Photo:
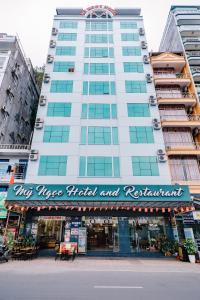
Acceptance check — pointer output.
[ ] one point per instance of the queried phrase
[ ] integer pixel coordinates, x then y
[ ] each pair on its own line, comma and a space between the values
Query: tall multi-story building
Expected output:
98, 172
182, 33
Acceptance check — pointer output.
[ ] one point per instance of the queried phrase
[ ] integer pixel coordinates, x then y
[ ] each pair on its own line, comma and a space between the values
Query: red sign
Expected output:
84, 11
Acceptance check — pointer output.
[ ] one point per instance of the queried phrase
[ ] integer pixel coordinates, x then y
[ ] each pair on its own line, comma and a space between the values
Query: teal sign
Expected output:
3, 210
73, 192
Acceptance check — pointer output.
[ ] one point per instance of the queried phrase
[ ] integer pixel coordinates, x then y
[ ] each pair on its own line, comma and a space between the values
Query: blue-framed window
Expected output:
99, 38
68, 24
99, 166
61, 86
138, 110
99, 68
141, 134
131, 51
56, 134
52, 165
59, 109
99, 88
99, 111
66, 50
128, 25
135, 86
134, 67
63, 66
98, 26
145, 166
100, 52
67, 36
98, 135
129, 36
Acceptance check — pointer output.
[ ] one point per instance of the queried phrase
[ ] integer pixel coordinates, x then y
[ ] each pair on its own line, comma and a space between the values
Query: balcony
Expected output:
170, 78
190, 30
193, 57
191, 43
188, 18
180, 121
14, 149
19, 176
182, 148
196, 73
175, 97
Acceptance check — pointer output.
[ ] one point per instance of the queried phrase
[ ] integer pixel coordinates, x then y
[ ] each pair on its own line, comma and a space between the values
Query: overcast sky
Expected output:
32, 20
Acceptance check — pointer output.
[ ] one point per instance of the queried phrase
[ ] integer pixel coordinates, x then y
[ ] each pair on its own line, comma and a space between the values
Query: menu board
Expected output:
82, 240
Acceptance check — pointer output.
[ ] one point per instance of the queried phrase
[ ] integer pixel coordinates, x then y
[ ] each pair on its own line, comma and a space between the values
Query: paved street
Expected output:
95, 279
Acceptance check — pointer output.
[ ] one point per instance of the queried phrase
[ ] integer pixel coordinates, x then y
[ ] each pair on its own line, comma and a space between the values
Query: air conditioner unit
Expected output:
52, 44
50, 59
33, 151
162, 158
39, 120
152, 100
46, 78
43, 101
161, 152
33, 157
148, 78
143, 45
3, 108
141, 31
156, 124
54, 31
38, 125
146, 59
71, 70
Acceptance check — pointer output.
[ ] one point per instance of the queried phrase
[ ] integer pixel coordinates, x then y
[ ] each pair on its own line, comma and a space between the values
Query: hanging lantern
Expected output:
127, 208
169, 209
163, 210
182, 209
146, 209
38, 209
10, 207
151, 209
56, 207
175, 209
72, 207
139, 209
157, 209
134, 209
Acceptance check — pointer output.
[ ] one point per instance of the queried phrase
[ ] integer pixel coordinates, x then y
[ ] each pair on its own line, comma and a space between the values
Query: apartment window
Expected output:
61, 86
145, 166
98, 26
97, 135
52, 165
99, 88
99, 166
99, 111
129, 36
138, 110
141, 135
100, 52
184, 168
68, 24
63, 66
131, 51
66, 50
134, 67
128, 25
59, 109
99, 38
135, 86
67, 37
56, 134
99, 68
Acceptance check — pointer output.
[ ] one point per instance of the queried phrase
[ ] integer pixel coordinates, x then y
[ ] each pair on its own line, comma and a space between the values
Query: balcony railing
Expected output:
178, 117
178, 145
195, 70
186, 12
15, 147
158, 74
5, 177
191, 40
173, 94
193, 53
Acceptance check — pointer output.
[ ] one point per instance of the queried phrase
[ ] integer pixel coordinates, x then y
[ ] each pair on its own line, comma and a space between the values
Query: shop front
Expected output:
100, 220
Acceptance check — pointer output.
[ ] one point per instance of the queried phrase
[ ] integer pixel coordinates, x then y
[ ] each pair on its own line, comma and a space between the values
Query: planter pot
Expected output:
192, 259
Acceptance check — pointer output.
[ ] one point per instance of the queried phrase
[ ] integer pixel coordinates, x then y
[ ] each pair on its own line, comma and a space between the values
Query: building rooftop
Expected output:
118, 11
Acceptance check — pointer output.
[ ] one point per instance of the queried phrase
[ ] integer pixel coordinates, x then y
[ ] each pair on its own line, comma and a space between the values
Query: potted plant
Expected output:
190, 246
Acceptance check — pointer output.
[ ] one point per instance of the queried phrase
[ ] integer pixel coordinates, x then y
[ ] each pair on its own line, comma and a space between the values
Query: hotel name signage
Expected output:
84, 11
74, 192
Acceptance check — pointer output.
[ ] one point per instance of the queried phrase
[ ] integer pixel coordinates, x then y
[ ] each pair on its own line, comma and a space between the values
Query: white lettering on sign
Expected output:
43, 191
74, 191
131, 191
114, 193
21, 191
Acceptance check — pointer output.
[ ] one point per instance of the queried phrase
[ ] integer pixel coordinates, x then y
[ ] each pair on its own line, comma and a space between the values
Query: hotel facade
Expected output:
98, 172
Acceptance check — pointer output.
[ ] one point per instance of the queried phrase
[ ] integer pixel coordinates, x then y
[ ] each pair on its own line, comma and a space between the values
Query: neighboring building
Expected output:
98, 173
182, 33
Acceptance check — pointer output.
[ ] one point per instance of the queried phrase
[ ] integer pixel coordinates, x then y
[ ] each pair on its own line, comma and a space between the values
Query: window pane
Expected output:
131, 51
145, 166
68, 24
61, 86
66, 50
52, 166
67, 37
59, 109
56, 134
63, 66
135, 86
141, 134
138, 110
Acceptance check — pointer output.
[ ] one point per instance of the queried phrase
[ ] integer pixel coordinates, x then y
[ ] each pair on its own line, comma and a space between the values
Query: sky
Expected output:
32, 20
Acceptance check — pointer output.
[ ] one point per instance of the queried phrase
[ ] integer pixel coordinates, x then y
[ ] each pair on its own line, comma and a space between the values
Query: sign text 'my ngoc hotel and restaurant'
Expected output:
98, 192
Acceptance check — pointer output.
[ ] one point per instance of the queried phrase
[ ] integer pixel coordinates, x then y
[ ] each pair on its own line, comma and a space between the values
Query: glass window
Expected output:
99, 52
135, 86
100, 166
61, 86
52, 165
66, 50
99, 38
99, 68
134, 67
99, 88
98, 25
56, 134
138, 110
97, 135
141, 135
128, 25
145, 166
131, 51
59, 109
129, 36
68, 24
184, 168
63, 66
67, 37
99, 111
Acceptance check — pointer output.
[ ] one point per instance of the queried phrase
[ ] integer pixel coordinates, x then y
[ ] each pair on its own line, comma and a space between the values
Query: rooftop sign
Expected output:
84, 11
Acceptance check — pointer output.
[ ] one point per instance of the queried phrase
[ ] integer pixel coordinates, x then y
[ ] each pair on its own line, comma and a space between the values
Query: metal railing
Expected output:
195, 70
15, 147
193, 53
186, 12
175, 94
177, 145
191, 40
158, 74
177, 117
5, 177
